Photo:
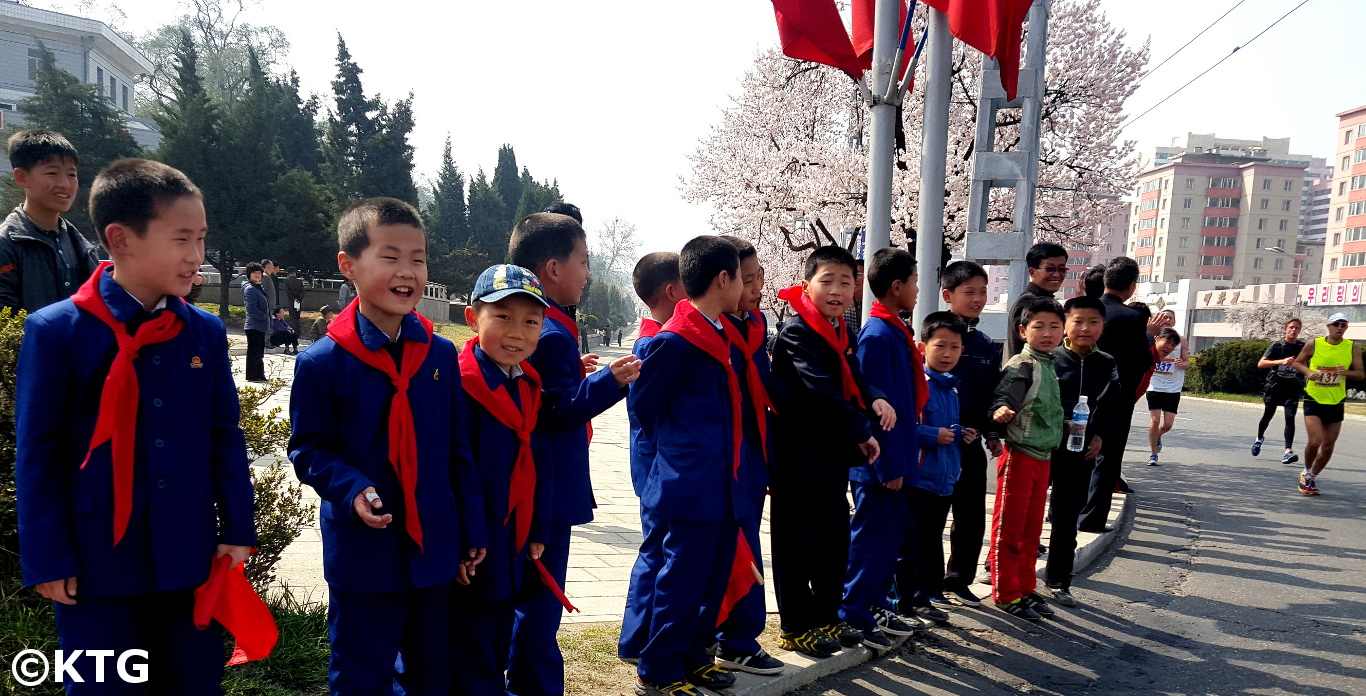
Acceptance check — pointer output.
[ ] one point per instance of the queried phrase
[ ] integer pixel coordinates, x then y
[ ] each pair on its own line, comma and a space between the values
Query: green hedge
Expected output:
1228, 367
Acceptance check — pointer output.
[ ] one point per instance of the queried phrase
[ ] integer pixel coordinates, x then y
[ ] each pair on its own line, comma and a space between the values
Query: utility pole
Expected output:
934, 152
882, 143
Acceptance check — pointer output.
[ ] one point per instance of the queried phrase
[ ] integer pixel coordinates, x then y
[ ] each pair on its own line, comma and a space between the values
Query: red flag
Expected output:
228, 598
812, 30
993, 27
864, 12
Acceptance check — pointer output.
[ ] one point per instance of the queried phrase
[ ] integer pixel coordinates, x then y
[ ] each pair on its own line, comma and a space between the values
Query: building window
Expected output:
1261, 242
1185, 223
1285, 225
1280, 243
1164, 203
1186, 203
1163, 223
35, 59
1357, 208
1181, 261
1226, 183
1265, 203
1337, 239
1190, 183
1147, 205
1361, 130
1150, 186
1280, 263
1338, 215
1288, 183
1223, 202
1354, 234
1359, 182
1214, 261
113, 90
125, 97
1266, 184
1221, 241
1347, 137
1145, 242
1221, 222
1354, 260
99, 78
1257, 262
1359, 156
1185, 242
1285, 204
1261, 223
1333, 265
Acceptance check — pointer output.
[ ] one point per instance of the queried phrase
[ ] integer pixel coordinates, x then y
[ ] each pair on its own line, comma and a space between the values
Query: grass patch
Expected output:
298, 665
457, 333
590, 660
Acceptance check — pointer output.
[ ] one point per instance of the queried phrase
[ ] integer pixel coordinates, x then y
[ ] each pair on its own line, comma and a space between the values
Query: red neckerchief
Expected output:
522, 486
648, 328
696, 329
228, 598
117, 421
345, 330
838, 342
743, 575
553, 312
751, 342
922, 391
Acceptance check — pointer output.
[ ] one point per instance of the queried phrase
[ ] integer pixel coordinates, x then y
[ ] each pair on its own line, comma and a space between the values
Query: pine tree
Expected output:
450, 229
301, 222
508, 182
536, 195
489, 229
387, 155
298, 131
190, 121
61, 102
350, 126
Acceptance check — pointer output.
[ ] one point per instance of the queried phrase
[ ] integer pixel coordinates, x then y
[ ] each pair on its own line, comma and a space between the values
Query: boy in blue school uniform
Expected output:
892, 363
689, 404
372, 409
502, 397
555, 249
131, 471
920, 569
657, 284
822, 411
737, 639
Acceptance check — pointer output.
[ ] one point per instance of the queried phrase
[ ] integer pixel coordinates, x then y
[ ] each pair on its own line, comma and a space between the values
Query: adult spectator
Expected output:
196, 288
43, 257
1284, 385
258, 322
1047, 271
345, 294
1125, 337
319, 328
293, 287
1093, 283
270, 283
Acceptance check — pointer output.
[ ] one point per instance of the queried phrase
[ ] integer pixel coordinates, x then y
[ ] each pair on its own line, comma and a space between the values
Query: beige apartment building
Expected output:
1226, 217
1346, 234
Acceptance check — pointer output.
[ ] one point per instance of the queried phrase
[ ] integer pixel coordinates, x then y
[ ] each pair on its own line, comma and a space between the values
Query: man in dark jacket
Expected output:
270, 282
1047, 271
1126, 339
43, 258
292, 293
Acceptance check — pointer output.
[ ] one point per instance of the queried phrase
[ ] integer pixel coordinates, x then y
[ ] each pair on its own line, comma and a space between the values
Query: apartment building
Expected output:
1346, 229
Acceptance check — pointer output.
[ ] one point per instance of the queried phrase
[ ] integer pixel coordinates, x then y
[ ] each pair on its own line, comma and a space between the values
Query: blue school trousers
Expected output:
535, 665
368, 631
878, 526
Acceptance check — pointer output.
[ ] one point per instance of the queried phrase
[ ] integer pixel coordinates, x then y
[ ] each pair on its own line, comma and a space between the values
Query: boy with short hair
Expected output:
658, 284
919, 574
1029, 402
402, 512
822, 428
502, 394
43, 257
738, 646
175, 471
964, 286
689, 406
1083, 370
555, 249
888, 352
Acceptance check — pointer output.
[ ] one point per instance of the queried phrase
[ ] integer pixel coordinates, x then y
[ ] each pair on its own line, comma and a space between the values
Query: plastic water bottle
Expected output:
1076, 439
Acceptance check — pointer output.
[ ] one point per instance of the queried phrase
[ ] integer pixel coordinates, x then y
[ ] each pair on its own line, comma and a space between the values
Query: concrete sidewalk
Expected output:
604, 550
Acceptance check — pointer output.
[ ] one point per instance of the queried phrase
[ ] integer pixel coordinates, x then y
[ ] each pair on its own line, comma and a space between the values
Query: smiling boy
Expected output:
43, 258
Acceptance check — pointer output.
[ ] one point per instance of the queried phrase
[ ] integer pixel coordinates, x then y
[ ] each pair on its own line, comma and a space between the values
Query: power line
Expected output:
1206, 71
1202, 33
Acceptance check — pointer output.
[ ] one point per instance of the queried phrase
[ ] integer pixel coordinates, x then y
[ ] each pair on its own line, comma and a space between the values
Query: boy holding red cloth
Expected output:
374, 410
131, 471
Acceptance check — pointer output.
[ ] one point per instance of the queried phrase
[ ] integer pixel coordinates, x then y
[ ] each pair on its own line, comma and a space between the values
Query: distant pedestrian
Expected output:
619, 332
1284, 385
345, 294
319, 328
292, 293
282, 334
258, 322
270, 282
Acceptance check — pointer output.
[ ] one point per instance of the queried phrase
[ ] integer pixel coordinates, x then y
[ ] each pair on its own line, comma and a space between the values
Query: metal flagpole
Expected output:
934, 143
886, 32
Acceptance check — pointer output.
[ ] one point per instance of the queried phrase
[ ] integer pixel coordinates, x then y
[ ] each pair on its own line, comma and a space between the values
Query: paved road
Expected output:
1228, 582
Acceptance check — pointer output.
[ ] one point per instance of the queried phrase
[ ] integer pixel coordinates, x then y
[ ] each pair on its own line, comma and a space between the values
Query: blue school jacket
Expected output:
569, 401
886, 361
495, 448
641, 450
191, 483
339, 411
682, 399
758, 476
940, 465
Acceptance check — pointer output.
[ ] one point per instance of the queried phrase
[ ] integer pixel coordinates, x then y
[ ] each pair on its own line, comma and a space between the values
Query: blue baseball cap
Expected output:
505, 279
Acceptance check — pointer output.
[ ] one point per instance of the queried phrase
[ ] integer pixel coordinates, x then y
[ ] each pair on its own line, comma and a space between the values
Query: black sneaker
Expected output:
877, 640
1062, 596
847, 635
890, 623
758, 663
678, 688
1039, 605
936, 615
1289, 457
813, 643
1019, 610
712, 677
963, 596
941, 602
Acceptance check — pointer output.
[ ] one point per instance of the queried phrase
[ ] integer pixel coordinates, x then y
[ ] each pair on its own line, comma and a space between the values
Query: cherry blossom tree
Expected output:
786, 166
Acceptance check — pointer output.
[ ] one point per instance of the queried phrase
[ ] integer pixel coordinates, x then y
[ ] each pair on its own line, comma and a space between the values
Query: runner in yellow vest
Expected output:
1327, 364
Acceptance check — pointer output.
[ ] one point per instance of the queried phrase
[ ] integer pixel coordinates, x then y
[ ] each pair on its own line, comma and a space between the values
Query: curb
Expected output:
1254, 405
803, 671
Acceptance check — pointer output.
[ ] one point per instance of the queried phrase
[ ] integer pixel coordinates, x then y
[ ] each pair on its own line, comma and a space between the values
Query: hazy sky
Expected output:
610, 96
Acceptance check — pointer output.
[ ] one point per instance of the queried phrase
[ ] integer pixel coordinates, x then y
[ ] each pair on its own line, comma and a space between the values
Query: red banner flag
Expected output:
812, 30
864, 12
993, 27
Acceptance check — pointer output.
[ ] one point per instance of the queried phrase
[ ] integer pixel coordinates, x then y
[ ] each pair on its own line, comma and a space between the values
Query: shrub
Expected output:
1229, 367
281, 511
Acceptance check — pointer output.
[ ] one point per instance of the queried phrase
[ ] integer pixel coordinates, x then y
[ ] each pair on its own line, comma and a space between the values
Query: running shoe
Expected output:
812, 643
847, 635
712, 676
1019, 609
1152, 461
678, 688
941, 602
758, 663
1257, 447
877, 640
1039, 605
1308, 484
964, 596
891, 623
1290, 457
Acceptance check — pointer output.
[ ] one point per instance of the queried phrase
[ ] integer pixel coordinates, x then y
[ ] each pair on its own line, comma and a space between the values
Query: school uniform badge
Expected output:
196, 363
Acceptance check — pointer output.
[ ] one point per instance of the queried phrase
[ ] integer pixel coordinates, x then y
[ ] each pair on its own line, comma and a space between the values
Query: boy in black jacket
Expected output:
823, 427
